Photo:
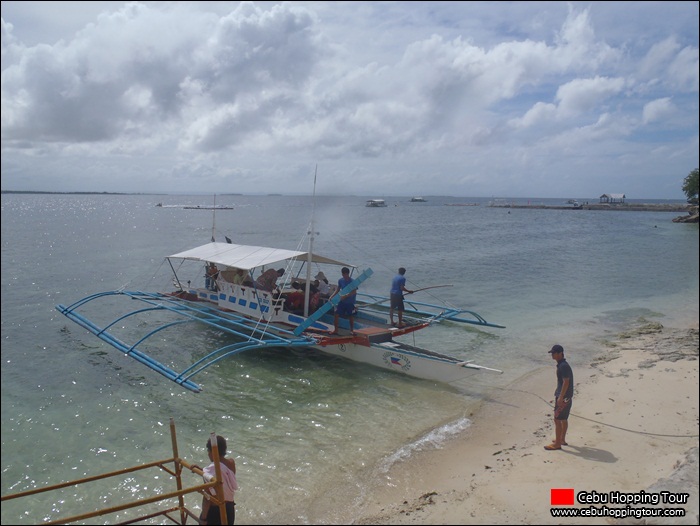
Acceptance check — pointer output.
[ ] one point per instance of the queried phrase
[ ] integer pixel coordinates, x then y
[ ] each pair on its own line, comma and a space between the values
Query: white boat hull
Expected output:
391, 356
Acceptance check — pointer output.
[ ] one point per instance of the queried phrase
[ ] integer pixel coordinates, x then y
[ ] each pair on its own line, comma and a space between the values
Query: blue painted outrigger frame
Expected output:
255, 333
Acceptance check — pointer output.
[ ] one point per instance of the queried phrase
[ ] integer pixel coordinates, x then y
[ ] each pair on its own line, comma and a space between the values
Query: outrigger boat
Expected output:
260, 318
234, 302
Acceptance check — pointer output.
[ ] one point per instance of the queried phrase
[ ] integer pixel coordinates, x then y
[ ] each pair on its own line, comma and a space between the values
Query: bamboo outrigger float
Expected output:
176, 514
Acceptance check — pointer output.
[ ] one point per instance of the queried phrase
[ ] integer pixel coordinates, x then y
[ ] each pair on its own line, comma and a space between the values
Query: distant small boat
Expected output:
418, 200
375, 203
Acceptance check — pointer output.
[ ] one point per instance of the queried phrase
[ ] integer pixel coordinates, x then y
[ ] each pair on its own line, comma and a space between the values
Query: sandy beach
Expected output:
633, 429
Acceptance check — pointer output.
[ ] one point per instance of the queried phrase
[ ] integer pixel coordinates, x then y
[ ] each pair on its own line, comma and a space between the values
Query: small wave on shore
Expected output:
434, 439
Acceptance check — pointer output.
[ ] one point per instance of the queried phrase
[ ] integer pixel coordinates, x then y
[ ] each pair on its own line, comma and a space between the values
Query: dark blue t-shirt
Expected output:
350, 300
564, 371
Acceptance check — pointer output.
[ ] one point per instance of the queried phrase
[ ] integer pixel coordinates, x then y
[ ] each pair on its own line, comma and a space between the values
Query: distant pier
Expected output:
636, 207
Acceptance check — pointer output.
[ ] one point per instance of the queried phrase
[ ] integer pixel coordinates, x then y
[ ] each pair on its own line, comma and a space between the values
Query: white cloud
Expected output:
584, 95
200, 95
684, 70
672, 65
577, 97
657, 110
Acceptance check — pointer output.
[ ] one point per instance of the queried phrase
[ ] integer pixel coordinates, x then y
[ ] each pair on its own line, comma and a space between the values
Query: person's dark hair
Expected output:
345, 270
402, 271
280, 271
220, 444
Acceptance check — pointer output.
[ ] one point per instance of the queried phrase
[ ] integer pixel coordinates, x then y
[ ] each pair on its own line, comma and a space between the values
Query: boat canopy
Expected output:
248, 257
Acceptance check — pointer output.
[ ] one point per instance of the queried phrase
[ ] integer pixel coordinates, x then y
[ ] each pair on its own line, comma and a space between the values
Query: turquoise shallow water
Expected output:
305, 429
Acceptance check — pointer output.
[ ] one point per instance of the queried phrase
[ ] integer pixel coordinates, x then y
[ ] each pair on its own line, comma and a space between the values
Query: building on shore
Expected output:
612, 198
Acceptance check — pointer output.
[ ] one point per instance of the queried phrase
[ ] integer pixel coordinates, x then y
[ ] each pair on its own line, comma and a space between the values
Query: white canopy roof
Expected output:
248, 257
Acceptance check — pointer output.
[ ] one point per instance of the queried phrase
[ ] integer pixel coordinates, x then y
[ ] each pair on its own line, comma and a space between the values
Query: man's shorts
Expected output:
397, 302
562, 413
345, 309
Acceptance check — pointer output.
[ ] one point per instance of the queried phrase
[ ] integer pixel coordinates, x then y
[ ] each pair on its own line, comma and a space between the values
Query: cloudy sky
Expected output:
504, 99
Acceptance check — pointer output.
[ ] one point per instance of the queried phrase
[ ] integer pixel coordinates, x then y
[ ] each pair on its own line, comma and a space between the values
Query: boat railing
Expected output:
177, 514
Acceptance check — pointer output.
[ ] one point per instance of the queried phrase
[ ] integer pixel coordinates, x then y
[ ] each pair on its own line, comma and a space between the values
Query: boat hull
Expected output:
394, 357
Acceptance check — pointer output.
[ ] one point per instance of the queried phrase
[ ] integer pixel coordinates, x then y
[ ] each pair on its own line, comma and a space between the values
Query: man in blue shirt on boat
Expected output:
346, 305
398, 287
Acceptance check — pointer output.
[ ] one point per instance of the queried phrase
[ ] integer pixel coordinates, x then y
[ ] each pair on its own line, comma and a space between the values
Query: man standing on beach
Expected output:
562, 398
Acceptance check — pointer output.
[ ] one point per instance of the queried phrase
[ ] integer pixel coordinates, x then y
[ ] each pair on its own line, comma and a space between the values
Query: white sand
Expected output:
634, 418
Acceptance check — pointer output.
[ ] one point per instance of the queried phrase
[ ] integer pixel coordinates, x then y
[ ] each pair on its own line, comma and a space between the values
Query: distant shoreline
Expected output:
73, 193
638, 207
46, 192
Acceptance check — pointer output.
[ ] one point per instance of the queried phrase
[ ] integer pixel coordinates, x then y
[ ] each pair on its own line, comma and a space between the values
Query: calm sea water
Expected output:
306, 430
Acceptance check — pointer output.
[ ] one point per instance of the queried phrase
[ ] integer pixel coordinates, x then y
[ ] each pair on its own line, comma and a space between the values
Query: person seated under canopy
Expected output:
268, 279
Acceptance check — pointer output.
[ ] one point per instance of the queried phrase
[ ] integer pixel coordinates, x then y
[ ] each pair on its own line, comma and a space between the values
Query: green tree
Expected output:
690, 186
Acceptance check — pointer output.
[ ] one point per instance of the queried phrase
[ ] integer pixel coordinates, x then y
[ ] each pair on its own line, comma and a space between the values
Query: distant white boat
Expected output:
418, 200
375, 203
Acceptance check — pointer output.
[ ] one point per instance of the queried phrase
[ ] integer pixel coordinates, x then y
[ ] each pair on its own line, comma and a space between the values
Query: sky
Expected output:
480, 99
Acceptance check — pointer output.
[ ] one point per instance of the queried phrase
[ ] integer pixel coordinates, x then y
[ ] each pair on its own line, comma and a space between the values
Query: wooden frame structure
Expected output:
176, 471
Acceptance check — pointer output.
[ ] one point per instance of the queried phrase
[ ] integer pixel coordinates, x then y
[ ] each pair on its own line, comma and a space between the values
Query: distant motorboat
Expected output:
375, 203
418, 200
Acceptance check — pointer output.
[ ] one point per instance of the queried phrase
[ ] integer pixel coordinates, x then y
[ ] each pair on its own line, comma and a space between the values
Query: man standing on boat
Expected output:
398, 287
346, 305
